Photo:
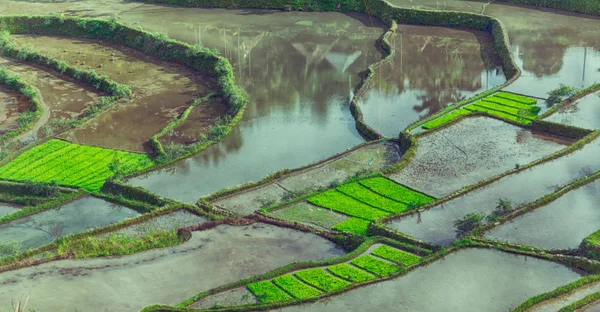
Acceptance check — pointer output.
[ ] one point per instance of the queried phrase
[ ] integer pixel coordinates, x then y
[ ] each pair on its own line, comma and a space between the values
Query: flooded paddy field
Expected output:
433, 67
43, 228
210, 259
62, 96
373, 157
298, 68
8, 208
472, 150
435, 225
561, 224
161, 90
12, 104
467, 280
583, 113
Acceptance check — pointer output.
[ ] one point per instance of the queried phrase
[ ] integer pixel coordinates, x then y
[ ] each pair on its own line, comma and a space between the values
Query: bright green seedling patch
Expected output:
322, 280
350, 273
518, 105
396, 191
395, 255
353, 225
367, 196
375, 265
438, 122
72, 164
295, 287
339, 202
266, 292
506, 109
501, 115
516, 98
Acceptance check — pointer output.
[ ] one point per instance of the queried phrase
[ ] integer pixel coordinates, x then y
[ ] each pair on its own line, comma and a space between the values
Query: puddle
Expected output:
162, 90
561, 224
43, 228
583, 113
214, 257
298, 77
468, 280
433, 67
469, 151
436, 225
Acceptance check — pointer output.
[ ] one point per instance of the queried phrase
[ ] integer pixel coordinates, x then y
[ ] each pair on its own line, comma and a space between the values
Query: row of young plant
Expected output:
26, 119
469, 188
297, 266
115, 90
389, 14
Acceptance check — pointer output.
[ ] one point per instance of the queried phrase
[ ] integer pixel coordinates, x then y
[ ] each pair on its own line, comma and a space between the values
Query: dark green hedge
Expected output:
590, 7
560, 129
133, 193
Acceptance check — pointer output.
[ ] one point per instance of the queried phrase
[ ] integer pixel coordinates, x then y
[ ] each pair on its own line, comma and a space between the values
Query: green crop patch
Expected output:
339, 202
516, 98
353, 225
438, 122
266, 292
502, 101
506, 109
350, 273
375, 265
395, 255
499, 114
295, 287
71, 164
322, 280
396, 191
363, 194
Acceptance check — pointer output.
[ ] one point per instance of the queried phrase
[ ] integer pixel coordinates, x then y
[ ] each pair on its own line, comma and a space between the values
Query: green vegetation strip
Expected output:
72, 165
363, 194
498, 100
266, 292
445, 119
396, 255
516, 98
295, 287
502, 108
350, 273
396, 191
353, 225
339, 202
375, 265
499, 114
322, 280
556, 292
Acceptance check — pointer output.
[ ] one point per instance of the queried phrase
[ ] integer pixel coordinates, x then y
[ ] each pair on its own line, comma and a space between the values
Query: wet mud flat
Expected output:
562, 224
75, 217
583, 113
161, 90
472, 150
170, 275
62, 95
374, 157
467, 280
298, 68
11, 104
458, 63
436, 226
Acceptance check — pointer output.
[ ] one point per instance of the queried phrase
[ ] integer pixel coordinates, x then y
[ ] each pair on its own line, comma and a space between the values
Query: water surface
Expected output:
583, 113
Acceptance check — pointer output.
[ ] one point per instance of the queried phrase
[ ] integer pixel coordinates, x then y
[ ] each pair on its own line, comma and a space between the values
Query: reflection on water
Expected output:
299, 70
433, 67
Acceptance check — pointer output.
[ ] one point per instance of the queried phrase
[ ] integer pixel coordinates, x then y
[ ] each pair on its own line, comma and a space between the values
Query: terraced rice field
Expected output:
71, 164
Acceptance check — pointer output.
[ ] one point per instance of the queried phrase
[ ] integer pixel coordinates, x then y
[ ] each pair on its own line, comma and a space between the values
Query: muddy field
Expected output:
11, 104
472, 150
162, 90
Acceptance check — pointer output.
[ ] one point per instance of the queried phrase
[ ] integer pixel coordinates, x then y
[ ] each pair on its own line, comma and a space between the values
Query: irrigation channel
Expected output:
300, 70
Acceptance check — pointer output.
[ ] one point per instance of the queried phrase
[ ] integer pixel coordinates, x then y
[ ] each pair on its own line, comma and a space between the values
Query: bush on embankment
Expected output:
133, 193
27, 118
568, 131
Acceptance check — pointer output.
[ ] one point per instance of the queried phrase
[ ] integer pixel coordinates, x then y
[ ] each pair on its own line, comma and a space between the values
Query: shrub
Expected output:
503, 208
560, 94
467, 223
